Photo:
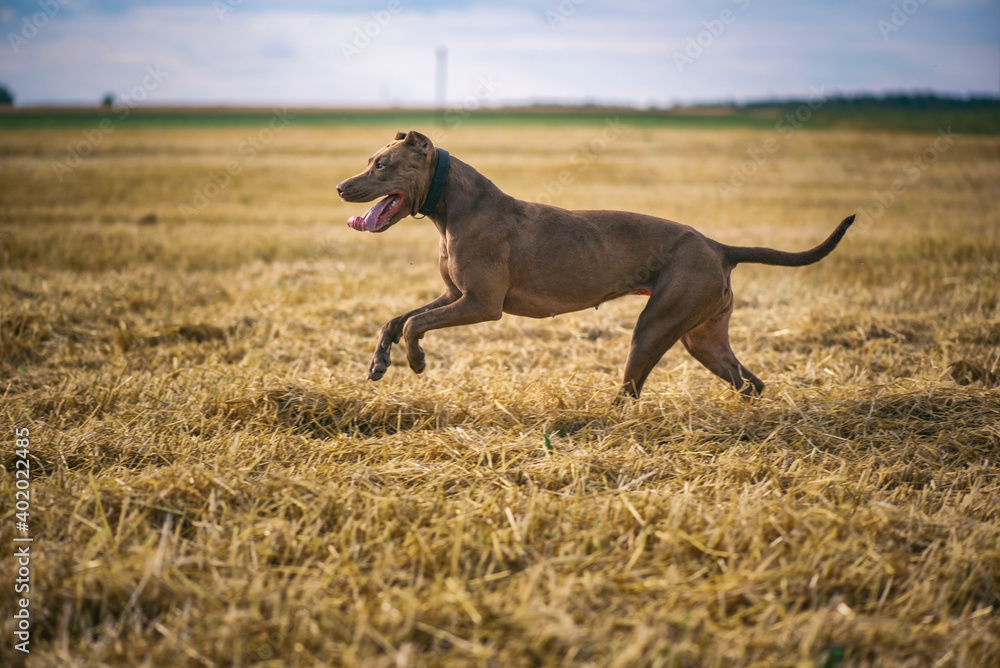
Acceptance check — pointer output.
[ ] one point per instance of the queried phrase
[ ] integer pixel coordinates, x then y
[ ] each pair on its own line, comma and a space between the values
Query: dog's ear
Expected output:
400, 135
421, 141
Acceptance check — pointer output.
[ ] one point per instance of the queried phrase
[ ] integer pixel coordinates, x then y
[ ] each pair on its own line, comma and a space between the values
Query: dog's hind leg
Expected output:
709, 344
669, 314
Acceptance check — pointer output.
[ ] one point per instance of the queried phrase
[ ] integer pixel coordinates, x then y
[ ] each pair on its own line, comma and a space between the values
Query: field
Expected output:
185, 326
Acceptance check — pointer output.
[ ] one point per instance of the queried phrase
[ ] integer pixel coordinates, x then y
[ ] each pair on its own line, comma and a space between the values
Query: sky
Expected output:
632, 52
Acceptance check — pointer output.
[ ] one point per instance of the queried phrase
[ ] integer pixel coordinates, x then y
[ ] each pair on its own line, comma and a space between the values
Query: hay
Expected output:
215, 483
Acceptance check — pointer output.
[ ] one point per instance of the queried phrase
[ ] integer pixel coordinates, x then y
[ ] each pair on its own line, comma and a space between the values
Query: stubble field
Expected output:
214, 482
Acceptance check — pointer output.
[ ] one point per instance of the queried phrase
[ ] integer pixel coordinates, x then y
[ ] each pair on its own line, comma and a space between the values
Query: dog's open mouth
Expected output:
379, 215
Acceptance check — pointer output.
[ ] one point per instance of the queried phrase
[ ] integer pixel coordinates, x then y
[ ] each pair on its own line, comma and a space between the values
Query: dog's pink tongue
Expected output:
356, 223
370, 220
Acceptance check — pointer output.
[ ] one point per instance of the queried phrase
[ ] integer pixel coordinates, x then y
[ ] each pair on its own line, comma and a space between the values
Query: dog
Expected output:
502, 255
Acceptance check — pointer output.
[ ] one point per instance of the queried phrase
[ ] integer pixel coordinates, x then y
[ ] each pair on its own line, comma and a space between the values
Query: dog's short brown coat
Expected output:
501, 255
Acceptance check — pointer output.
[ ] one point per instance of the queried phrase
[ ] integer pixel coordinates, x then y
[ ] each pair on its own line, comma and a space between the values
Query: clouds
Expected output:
337, 53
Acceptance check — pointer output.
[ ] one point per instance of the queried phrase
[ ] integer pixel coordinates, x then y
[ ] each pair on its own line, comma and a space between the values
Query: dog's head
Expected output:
400, 174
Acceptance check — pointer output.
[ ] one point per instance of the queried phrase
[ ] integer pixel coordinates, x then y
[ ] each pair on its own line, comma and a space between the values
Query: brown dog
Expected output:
501, 255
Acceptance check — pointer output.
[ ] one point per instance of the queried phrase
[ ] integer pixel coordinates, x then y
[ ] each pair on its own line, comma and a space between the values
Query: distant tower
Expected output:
442, 81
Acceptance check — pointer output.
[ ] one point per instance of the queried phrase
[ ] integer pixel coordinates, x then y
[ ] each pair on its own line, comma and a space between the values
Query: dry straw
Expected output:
216, 484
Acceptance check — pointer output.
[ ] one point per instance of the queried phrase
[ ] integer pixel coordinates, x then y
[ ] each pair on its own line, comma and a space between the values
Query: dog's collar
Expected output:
437, 184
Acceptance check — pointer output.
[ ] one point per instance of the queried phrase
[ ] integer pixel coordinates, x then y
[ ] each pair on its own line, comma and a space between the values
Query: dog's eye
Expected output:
379, 165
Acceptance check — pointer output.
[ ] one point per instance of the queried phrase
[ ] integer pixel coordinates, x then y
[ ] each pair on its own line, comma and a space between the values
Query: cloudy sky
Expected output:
638, 52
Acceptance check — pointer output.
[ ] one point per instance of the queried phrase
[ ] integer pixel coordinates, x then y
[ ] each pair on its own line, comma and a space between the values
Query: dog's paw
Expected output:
417, 361
378, 368
381, 360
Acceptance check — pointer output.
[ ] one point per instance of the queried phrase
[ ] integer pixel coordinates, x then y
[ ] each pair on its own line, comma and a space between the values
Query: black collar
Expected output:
437, 184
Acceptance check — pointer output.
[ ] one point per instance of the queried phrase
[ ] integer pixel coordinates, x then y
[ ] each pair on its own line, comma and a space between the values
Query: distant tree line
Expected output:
893, 101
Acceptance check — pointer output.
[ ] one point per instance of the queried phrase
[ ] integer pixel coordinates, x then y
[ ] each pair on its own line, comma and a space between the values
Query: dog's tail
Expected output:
738, 254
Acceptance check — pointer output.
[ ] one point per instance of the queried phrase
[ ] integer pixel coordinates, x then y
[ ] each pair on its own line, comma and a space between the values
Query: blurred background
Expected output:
393, 52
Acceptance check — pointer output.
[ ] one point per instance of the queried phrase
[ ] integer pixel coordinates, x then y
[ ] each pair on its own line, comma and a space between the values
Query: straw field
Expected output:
185, 326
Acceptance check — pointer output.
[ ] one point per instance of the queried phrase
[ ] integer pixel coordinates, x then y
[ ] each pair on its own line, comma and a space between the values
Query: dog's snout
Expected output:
340, 188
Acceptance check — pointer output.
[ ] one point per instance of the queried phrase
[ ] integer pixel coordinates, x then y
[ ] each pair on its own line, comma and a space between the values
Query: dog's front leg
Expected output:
393, 329
467, 310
